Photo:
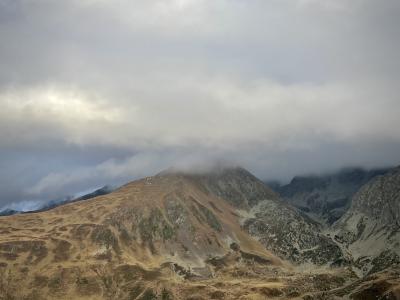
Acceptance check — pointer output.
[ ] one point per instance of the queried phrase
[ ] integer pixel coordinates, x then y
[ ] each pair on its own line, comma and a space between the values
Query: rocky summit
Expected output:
221, 234
326, 198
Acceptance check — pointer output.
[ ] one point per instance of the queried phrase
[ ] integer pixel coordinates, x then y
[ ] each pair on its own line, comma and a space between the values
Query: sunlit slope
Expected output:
153, 223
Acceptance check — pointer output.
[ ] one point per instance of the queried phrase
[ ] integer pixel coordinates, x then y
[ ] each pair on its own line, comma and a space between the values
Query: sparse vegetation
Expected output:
12, 250
61, 252
124, 236
109, 281
210, 218
168, 232
155, 227
104, 236
135, 291
148, 295
8, 285
55, 283
166, 295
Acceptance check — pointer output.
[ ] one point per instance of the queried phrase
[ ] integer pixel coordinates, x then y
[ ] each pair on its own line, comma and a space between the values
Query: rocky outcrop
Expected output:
370, 229
282, 229
235, 185
292, 235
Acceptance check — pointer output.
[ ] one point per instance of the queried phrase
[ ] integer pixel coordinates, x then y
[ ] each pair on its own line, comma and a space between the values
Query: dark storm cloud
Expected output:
95, 91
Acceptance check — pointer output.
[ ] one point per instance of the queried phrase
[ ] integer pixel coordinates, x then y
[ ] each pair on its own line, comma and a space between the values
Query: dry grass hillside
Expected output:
162, 237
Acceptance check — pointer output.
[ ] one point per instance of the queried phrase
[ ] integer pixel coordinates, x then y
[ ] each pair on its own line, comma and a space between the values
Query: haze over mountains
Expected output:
96, 93
326, 197
54, 203
216, 235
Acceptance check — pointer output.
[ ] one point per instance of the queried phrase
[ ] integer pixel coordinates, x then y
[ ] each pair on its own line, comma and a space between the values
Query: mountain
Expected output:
9, 212
326, 198
370, 229
282, 229
54, 203
99, 192
147, 233
177, 235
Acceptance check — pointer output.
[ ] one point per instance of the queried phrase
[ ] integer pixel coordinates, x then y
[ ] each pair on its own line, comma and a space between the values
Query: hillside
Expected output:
220, 235
163, 220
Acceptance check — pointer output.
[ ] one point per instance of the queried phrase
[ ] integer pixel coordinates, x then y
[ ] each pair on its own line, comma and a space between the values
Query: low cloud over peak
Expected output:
98, 92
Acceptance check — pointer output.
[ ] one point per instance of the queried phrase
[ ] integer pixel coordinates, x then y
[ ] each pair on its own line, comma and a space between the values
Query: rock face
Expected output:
291, 235
326, 198
282, 229
370, 229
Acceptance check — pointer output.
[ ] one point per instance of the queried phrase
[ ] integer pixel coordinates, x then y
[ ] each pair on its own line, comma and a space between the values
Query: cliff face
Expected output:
370, 229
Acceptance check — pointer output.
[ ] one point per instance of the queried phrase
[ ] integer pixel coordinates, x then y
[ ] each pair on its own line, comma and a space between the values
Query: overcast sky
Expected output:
96, 92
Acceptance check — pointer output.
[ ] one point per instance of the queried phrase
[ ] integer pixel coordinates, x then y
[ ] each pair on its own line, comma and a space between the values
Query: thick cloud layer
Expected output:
96, 92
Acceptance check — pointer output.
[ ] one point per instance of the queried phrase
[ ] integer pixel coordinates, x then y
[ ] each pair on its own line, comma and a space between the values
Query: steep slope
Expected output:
279, 227
149, 231
370, 229
327, 197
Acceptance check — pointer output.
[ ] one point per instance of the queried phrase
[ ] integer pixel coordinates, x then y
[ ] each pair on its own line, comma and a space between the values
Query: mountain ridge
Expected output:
55, 203
326, 198
221, 235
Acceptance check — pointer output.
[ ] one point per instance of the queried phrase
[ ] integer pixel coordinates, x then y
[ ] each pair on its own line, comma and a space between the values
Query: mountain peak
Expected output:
233, 183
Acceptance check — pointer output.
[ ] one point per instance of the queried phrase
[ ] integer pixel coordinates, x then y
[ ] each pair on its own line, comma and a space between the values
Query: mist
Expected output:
95, 92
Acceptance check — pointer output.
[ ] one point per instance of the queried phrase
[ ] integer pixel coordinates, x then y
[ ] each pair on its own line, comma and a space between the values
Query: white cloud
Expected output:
155, 83
209, 111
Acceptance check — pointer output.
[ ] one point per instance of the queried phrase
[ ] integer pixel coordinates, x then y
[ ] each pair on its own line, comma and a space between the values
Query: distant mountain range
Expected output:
359, 209
54, 203
325, 198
